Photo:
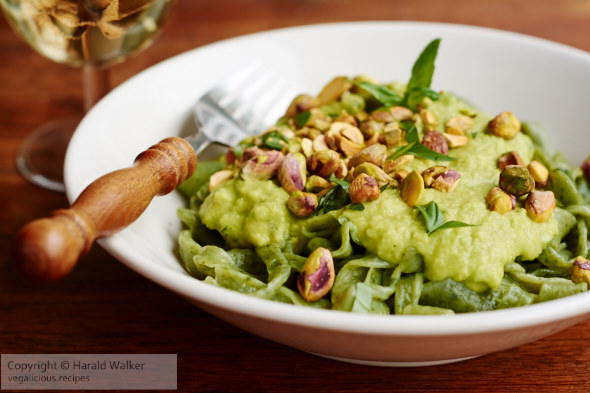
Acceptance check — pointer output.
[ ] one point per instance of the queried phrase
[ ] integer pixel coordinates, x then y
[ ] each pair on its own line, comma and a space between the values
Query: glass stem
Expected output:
96, 84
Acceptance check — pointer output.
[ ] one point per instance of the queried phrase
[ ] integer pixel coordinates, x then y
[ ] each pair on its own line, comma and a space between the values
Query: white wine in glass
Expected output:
91, 34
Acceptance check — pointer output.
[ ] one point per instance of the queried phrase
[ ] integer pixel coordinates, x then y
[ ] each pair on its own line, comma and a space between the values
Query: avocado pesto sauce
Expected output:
390, 199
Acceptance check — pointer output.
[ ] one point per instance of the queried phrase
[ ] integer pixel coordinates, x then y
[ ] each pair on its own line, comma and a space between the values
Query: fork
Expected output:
47, 249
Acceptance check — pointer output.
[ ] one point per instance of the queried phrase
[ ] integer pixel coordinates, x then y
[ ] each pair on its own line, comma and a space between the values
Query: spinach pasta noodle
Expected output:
390, 199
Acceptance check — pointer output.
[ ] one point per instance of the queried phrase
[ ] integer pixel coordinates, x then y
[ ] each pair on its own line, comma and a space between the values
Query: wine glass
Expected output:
91, 34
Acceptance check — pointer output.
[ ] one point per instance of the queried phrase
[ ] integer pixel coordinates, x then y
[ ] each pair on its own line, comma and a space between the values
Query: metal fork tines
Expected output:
245, 103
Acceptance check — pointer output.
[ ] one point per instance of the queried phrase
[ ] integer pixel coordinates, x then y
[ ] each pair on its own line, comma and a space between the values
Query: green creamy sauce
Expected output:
253, 213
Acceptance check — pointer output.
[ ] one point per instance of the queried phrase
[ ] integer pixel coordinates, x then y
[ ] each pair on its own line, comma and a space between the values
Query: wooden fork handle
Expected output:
48, 248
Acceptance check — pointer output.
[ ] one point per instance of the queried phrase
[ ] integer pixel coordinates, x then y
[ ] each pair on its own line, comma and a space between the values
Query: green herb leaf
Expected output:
239, 149
434, 219
274, 140
384, 95
356, 206
334, 199
421, 75
341, 182
303, 118
419, 150
412, 134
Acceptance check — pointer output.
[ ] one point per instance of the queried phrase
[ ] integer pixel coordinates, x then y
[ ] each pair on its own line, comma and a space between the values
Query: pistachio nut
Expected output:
317, 276
230, 156
393, 137
319, 143
302, 204
382, 116
219, 178
324, 163
250, 152
316, 184
429, 174
374, 154
391, 165
264, 166
401, 113
292, 172
458, 125
506, 125
370, 128
580, 270
540, 205
319, 120
400, 175
374, 171
539, 172
456, 140
499, 201
447, 181
435, 141
334, 89
301, 103
428, 119
510, 158
516, 180
364, 188
306, 146
412, 188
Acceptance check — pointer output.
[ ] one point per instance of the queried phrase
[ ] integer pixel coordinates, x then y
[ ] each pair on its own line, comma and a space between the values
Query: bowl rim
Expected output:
407, 325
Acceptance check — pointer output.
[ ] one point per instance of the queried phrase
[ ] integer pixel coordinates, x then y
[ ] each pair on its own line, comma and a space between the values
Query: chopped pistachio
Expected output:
429, 174
334, 89
586, 169
401, 113
316, 184
428, 119
301, 103
456, 140
302, 204
540, 205
539, 172
516, 180
375, 154
458, 125
510, 158
364, 188
506, 125
219, 178
412, 188
374, 171
447, 181
324, 163
292, 172
317, 276
435, 141
264, 166
580, 270
499, 201
392, 165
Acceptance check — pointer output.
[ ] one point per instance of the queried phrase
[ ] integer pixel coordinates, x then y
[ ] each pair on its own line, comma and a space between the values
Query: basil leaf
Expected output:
426, 92
356, 206
303, 118
434, 219
419, 150
334, 199
421, 75
384, 95
274, 140
412, 134
341, 182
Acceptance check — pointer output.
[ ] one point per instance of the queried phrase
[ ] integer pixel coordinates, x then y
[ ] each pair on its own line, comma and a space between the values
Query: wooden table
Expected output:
103, 307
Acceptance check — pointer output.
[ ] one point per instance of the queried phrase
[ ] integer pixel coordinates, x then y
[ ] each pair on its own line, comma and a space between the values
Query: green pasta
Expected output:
390, 199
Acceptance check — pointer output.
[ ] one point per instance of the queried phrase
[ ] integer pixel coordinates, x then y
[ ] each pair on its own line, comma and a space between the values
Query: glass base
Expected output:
40, 158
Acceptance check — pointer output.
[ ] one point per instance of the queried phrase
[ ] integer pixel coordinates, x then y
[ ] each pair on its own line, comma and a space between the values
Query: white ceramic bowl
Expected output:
497, 70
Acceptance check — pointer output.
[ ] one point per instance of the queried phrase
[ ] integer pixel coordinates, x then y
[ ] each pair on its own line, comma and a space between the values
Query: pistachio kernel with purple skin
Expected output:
364, 188
580, 270
447, 181
435, 141
586, 169
302, 204
510, 158
292, 172
324, 163
540, 205
317, 276
264, 166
